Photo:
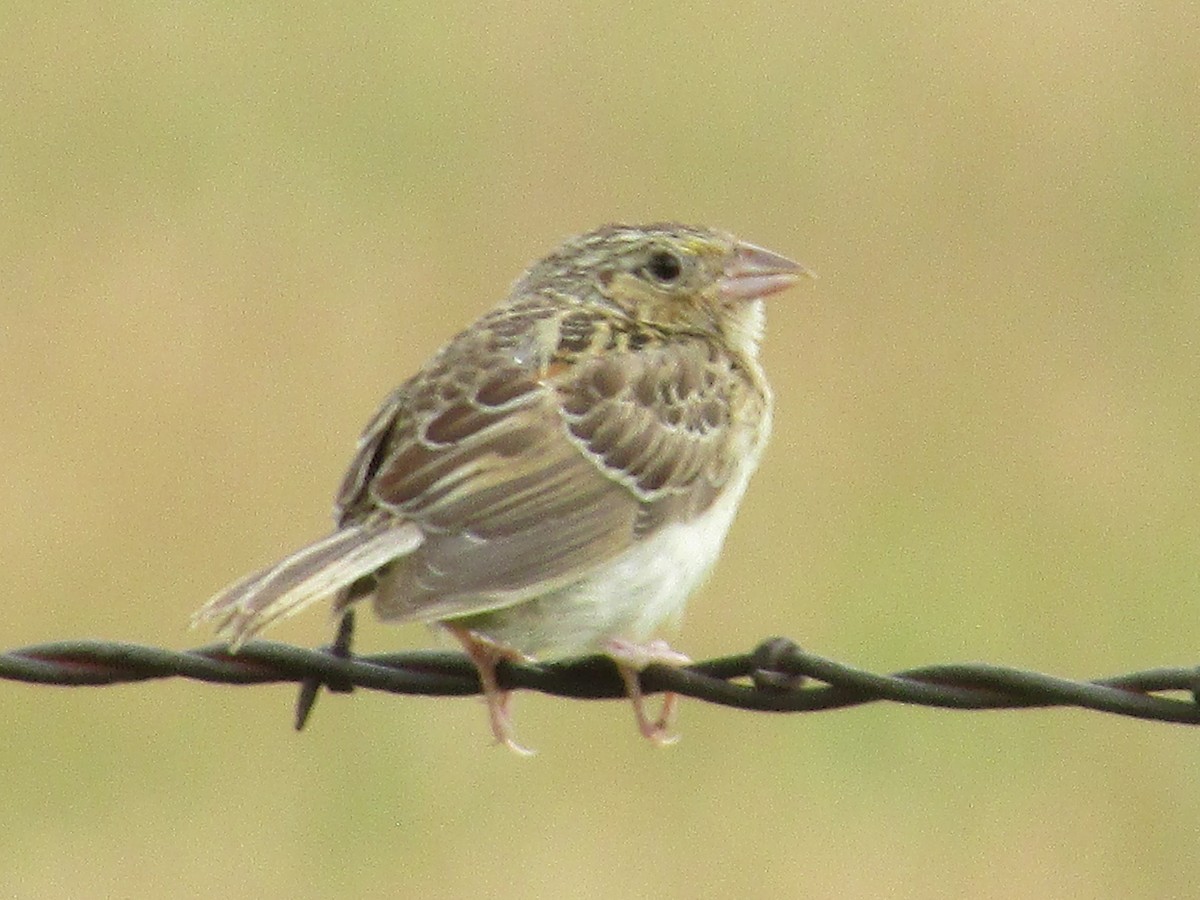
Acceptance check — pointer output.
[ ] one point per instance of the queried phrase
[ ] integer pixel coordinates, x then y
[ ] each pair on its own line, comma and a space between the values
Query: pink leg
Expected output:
485, 655
631, 659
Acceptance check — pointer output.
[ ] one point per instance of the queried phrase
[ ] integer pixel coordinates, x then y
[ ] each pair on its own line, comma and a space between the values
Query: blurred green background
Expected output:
228, 230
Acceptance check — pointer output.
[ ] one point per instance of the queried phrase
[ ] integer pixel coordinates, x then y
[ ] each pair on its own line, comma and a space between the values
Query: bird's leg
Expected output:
631, 659
486, 654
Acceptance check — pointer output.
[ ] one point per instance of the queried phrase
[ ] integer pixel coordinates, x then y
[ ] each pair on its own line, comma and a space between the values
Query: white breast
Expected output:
650, 583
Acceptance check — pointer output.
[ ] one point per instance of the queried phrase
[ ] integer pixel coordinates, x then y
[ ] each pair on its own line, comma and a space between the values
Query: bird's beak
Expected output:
753, 273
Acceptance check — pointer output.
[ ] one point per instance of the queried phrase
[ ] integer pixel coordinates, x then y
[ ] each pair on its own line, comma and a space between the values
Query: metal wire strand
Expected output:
778, 676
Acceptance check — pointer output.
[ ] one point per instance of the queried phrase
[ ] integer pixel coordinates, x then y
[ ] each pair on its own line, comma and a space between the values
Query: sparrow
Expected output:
561, 475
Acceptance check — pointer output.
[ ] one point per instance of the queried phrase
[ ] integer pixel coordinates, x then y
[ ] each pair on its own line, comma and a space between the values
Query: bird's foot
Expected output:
486, 655
631, 658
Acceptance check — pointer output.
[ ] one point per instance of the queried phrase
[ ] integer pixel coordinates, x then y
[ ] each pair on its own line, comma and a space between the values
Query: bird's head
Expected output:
669, 275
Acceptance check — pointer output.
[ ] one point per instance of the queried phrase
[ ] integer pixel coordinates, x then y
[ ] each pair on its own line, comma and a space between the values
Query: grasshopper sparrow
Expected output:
561, 475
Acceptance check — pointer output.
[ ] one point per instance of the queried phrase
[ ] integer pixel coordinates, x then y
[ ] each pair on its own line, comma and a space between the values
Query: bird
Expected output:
560, 477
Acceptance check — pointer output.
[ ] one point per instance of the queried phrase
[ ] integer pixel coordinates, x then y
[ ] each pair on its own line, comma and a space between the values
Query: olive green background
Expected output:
228, 229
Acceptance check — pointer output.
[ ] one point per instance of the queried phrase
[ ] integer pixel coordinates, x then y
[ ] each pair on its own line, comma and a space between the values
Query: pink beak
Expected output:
754, 273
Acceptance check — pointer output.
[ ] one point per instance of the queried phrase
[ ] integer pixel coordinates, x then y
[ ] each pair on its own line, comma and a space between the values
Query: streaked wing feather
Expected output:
369, 455
509, 510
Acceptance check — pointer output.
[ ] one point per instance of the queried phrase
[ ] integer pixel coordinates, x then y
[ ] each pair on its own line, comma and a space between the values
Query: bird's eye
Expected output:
664, 266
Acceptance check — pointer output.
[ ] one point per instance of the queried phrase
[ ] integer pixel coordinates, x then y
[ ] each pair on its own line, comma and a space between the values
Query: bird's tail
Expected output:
312, 573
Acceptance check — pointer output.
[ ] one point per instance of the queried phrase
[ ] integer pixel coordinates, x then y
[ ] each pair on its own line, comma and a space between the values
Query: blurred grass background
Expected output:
228, 230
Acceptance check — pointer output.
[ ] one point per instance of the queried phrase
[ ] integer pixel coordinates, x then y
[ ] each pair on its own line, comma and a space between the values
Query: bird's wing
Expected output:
523, 478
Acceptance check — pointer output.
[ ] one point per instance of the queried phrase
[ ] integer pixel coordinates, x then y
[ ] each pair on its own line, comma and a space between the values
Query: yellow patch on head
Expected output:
697, 246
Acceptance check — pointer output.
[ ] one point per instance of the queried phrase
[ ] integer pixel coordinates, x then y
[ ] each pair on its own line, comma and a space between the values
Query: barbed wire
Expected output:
777, 676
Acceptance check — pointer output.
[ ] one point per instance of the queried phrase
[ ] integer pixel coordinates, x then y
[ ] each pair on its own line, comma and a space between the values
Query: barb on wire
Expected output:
778, 676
